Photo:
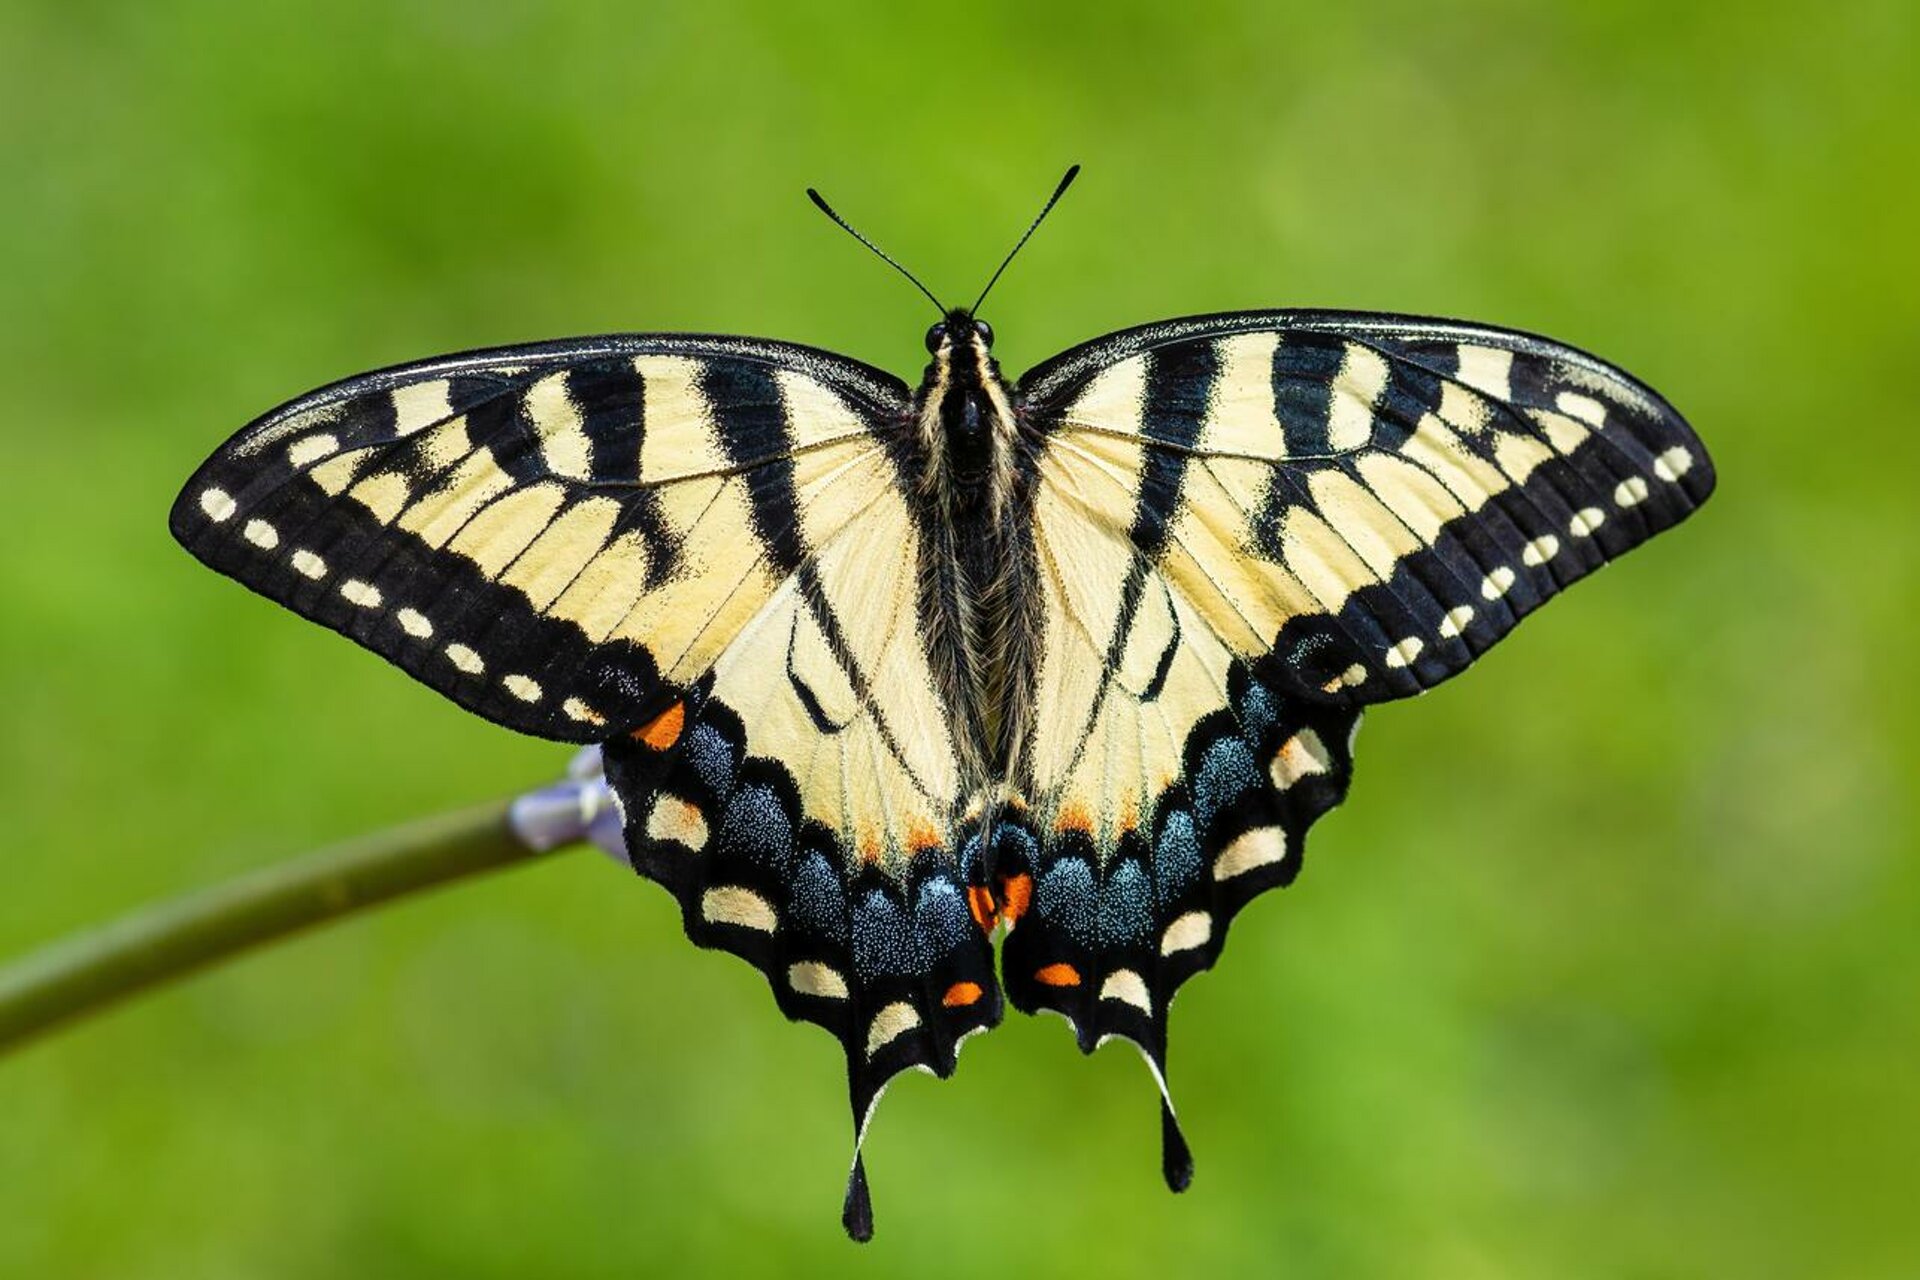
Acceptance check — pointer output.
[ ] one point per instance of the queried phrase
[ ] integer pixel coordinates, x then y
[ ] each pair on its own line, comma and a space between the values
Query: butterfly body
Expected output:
977, 557
886, 675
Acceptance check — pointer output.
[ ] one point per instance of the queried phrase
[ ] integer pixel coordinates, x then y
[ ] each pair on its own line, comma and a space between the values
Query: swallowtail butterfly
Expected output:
886, 673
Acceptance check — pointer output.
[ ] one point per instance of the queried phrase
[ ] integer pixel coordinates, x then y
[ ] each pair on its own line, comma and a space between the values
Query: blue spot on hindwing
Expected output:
1065, 899
712, 758
1257, 711
941, 915
819, 903
1126, 906
883, 942
1227, 771
757, 828
1176, 857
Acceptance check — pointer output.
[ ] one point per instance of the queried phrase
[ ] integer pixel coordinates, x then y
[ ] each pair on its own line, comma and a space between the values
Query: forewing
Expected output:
1248, 527
558, 536
1363, 504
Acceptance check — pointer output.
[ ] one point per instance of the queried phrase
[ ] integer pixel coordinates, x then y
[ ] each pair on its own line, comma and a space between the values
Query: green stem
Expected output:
87, 972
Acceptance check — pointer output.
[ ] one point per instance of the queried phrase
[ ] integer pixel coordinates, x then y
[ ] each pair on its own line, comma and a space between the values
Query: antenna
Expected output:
880, 253
1045, 209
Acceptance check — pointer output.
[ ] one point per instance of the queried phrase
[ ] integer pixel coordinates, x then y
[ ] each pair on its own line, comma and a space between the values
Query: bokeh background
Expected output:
1608, 967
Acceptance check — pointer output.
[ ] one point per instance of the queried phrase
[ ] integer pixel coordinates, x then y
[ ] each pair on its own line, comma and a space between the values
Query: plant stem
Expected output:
85, 973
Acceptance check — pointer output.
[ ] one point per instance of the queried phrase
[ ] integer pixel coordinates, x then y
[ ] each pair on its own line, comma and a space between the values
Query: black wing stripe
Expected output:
610, 397
1303, 376
751, 420
1180, 383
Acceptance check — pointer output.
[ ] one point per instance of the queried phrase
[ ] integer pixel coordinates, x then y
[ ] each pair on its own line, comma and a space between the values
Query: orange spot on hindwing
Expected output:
985, 910
1016, 893
661, 732
961, 994
1058, 975
990, 909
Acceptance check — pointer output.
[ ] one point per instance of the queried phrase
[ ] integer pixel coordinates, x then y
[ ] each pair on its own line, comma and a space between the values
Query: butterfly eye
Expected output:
934, 335
985, 331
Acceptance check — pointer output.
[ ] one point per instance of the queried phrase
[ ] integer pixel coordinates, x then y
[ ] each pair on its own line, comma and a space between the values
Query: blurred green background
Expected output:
1608, 967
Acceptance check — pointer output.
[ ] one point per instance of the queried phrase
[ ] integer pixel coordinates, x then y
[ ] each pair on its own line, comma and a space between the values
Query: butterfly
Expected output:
884, 675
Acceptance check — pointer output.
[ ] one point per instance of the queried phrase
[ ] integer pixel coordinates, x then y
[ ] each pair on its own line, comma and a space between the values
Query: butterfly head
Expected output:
958, 331
964, 405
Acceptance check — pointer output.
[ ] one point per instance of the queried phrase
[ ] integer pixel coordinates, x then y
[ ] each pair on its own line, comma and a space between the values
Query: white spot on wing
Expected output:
1301, 756
1585, 521
671, 818
1353, 675
525, 688
309, 565
311, 449
579, 710
1541, 550
465, 659
1184, 934
1673, 464
218, 504
892, 1022
811, 978
364, 594
1456, 621
414, 623
1127, 987
1258, 847
1405, 652
1497, 583
1631, 491
735, 905
261, 534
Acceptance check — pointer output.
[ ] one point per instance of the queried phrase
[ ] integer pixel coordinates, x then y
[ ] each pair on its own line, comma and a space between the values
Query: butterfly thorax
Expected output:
975, 584
964, 410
